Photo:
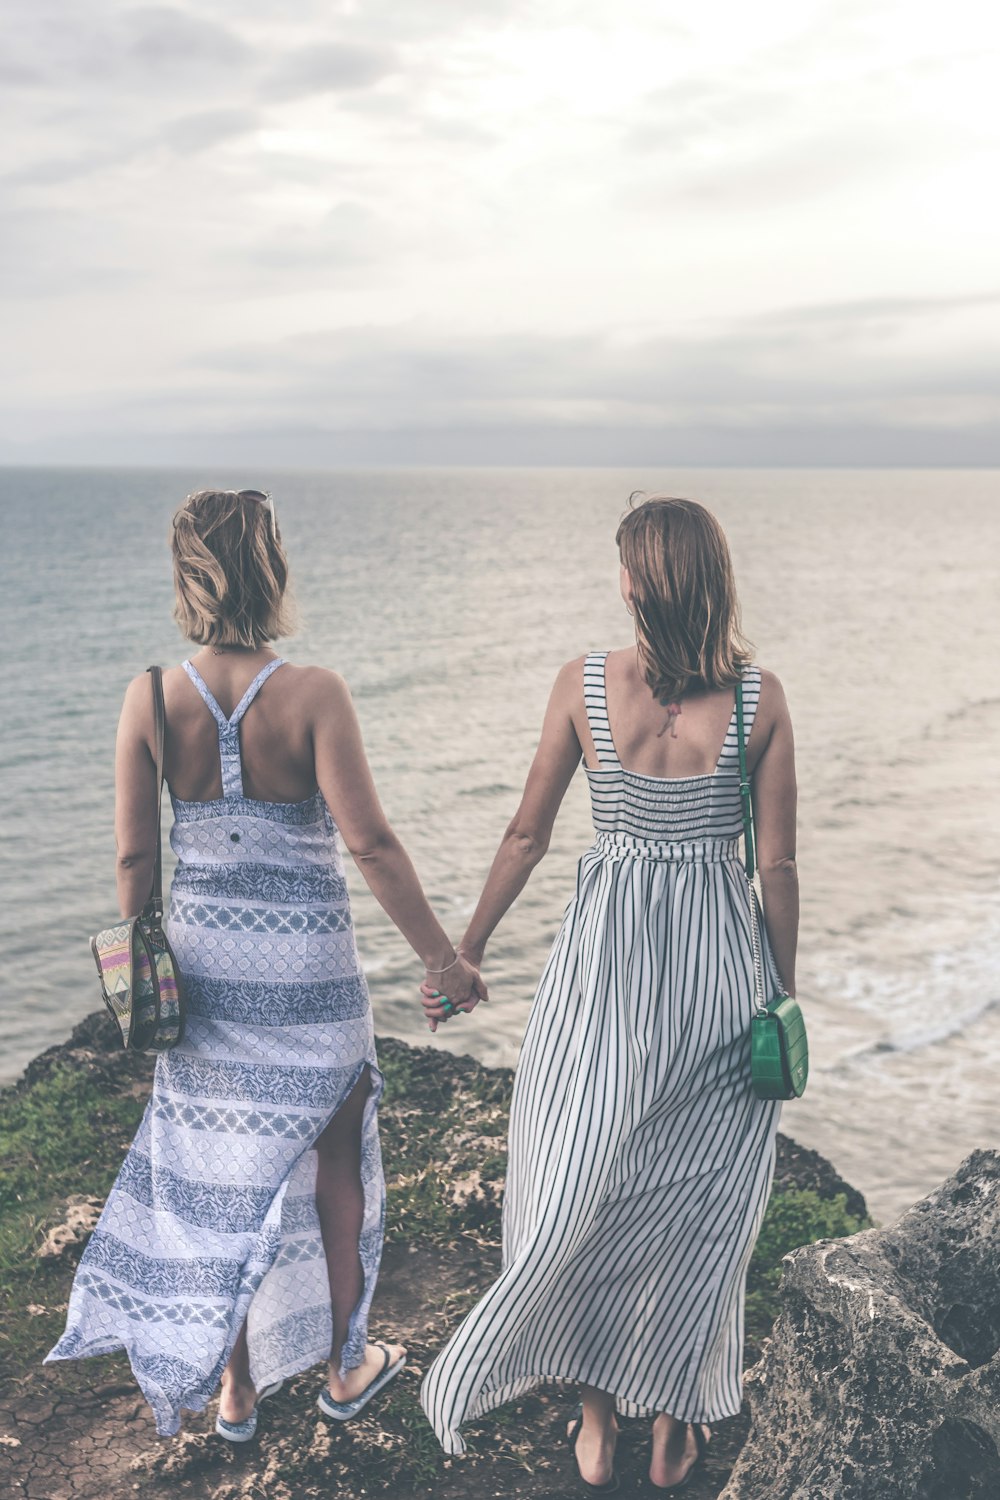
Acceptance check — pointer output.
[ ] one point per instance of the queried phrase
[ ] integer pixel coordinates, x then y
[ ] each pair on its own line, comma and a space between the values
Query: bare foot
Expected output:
594, 1451
237, 1400
371, 1366
675, 1450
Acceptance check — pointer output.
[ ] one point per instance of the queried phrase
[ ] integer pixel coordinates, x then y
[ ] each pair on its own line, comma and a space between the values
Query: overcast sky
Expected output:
446, 230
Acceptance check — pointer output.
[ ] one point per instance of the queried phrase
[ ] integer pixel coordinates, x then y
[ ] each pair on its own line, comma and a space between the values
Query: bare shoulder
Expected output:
138, 702
569, 679
772, 706
319, 698
321, 684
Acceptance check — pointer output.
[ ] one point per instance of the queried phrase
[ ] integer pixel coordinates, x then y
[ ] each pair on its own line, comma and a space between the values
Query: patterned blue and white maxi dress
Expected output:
640, 1160
212, 1219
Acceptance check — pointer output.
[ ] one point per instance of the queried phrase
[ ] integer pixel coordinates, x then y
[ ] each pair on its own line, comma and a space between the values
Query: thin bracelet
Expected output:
446, 967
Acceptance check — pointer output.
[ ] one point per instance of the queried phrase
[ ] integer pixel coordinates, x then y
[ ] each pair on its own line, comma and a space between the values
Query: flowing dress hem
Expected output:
453, 1443
168, 1413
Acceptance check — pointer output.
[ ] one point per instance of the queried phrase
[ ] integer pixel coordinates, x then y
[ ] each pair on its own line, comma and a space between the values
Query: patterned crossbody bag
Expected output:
779, 1049
139, 980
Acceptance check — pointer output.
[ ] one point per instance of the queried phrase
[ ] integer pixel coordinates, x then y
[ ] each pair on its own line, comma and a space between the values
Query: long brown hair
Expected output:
230, 570
687, 615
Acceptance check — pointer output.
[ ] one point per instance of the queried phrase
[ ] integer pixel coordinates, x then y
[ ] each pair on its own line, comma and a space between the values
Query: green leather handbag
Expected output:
779, 1049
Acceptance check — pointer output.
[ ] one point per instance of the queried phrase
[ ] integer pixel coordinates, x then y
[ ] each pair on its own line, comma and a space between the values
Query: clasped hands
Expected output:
444, 993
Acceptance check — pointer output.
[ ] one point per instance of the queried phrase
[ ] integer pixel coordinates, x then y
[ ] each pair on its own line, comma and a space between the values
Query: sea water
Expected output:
449, 599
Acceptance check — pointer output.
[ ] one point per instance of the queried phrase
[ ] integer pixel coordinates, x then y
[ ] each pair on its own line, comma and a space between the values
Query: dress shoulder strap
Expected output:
255, 687
595, 700
730, 757
206, 694
229, 729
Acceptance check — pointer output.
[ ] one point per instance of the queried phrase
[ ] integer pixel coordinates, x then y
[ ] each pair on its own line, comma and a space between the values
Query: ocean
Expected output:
449, 599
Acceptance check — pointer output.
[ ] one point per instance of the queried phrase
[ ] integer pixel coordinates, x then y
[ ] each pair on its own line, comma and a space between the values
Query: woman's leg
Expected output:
237, 1396
675, 1449
595, 1445
340, 1204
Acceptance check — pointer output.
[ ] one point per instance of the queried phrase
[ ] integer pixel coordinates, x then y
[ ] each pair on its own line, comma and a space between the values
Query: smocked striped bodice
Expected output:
671, 810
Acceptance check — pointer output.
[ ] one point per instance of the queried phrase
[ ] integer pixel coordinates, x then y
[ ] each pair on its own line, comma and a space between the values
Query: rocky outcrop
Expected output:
802, 1169
81, 1214
881, 1378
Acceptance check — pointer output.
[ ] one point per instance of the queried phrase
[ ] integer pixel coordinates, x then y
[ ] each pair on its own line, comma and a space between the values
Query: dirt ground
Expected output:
99, 1443
82, 1431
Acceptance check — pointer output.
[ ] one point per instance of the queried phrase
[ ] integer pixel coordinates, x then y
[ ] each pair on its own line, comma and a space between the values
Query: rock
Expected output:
881, 1378
464, 1188
81, 1216
94, 1047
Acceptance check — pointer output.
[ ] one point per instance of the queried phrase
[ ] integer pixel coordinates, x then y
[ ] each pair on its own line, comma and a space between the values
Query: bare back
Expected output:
275, 733
683, 740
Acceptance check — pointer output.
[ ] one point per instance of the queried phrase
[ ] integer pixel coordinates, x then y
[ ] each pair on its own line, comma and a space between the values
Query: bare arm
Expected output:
345, 779
135, 798
774, 801
527, 837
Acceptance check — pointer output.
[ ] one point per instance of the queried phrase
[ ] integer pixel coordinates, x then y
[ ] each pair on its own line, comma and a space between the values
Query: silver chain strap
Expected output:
759, 1003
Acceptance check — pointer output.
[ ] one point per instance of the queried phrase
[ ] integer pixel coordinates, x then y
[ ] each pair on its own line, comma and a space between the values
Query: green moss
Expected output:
442, 1122
55, 1128
64, 1135
794, 1217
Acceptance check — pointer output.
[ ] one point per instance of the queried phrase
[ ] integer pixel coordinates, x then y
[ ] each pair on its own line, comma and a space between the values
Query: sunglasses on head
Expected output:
264, 496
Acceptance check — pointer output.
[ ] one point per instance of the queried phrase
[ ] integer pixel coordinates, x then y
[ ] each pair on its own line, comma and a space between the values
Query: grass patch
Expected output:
64, 1134
443, 1122
794, 1217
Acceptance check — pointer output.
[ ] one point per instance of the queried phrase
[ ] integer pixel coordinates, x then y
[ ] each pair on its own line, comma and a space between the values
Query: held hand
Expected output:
460, 988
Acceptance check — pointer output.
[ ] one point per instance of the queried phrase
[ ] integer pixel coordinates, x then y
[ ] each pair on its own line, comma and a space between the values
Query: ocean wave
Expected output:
921, 1038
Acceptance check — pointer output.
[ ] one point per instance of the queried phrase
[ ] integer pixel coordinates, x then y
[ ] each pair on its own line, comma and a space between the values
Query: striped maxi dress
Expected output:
640, 1160
212, 1220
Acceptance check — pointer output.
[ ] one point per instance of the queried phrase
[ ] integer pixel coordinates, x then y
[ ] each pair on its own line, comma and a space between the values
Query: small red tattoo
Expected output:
673, 710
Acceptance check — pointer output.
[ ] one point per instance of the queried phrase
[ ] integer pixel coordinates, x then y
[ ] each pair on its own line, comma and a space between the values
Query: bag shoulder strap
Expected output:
155, 902
745, 795
759, 1002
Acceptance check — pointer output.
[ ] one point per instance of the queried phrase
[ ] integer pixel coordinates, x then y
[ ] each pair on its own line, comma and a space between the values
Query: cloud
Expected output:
164, 38
348, 235
459, 219
752, 373
337, 67
205, 128
705, 110
55, 170
57, 255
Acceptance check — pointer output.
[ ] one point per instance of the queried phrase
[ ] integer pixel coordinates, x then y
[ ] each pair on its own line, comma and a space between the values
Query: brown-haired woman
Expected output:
242, 1237
640, 1159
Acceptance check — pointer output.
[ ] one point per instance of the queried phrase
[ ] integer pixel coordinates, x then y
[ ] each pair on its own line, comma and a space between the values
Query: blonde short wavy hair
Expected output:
230, 570
687, 614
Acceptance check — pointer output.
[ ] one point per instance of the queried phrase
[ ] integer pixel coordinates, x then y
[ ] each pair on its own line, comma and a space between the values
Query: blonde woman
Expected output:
640, 1160
242, 1237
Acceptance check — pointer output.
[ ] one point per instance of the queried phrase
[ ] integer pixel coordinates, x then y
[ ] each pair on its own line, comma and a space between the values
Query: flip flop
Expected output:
701, 1443
242, 1432
572, 1433
342, 1411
